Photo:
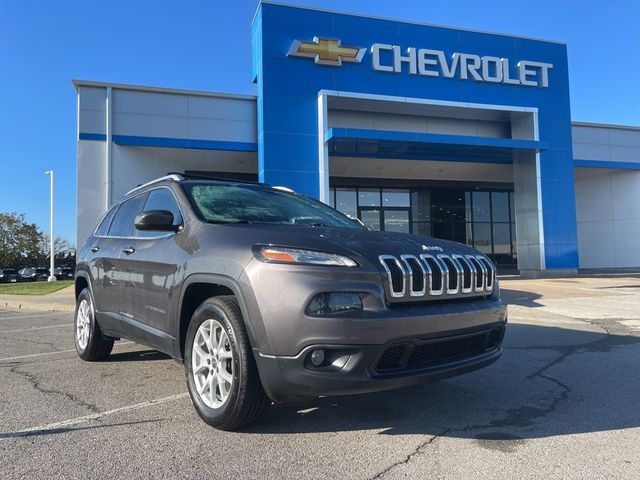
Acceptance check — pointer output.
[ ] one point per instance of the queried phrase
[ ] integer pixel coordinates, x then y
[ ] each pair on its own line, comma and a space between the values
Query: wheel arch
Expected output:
196, 289
81, 282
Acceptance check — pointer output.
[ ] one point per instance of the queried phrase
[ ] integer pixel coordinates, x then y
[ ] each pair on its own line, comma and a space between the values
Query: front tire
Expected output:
91, 345
222, 376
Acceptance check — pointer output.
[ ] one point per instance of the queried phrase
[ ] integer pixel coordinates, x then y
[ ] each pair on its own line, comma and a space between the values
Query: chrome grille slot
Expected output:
468, 273
491, 272
417, 275
436, 274
481, 272
454, 274
396, 274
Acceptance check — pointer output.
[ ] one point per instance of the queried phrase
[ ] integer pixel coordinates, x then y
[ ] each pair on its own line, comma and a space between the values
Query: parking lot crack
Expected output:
37, 385
416, 451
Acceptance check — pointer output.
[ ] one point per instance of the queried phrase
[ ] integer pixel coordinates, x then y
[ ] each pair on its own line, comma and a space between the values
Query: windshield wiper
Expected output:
229, 222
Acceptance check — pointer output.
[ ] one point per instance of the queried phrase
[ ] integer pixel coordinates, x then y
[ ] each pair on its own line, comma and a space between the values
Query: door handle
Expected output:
94, 249
129, 250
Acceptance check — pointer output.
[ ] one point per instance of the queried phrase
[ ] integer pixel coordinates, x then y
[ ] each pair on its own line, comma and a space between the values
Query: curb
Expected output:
22, 306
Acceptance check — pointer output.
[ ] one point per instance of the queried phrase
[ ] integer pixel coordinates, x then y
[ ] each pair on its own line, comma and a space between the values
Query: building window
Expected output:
484, 220
347, 201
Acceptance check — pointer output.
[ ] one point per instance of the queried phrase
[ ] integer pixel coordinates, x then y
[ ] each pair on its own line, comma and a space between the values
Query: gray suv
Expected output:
270, 296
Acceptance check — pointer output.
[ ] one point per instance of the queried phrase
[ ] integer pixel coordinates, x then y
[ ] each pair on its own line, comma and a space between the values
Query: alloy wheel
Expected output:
83, 324
212, 364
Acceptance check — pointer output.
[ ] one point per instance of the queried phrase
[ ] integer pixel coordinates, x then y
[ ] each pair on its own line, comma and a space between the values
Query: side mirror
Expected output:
158, 220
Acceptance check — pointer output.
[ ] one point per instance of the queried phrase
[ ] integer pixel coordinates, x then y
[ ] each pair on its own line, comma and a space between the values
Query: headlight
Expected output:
333, 302
296, 255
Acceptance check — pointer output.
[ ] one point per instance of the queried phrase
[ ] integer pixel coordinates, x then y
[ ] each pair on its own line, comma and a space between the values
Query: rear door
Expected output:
101, 254
148, 264
111, 270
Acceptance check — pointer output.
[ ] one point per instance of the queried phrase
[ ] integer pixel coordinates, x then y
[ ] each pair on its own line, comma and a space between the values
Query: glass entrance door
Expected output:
394, 219
371, 218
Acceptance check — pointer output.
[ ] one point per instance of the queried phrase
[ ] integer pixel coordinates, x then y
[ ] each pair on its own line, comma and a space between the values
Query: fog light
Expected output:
334, 302
317, 357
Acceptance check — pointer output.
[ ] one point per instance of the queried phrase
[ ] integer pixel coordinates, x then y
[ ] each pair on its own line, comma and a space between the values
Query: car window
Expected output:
103, 228
122, 224
160, 199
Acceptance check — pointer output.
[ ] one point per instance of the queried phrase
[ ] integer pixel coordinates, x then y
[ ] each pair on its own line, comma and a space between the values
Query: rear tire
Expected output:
91, 345
221, 372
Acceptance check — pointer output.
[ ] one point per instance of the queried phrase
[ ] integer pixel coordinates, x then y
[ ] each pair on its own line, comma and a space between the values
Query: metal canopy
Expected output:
426, 146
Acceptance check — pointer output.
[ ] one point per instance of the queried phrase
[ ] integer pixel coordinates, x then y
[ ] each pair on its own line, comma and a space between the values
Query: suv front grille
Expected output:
428, 275
418, 355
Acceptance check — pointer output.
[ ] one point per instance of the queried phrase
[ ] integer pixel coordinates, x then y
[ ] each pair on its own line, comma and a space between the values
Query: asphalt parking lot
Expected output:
563, 402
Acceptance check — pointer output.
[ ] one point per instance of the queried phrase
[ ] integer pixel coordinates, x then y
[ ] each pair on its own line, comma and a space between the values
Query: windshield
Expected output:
222, 203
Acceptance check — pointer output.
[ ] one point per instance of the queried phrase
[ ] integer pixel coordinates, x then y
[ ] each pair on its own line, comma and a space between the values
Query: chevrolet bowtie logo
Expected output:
326, 51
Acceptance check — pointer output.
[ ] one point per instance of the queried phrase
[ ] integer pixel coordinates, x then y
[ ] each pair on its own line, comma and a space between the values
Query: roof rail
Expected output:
171, 176
205, 176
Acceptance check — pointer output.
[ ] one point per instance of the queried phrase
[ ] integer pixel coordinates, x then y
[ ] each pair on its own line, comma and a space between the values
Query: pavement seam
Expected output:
410, 456
36, 384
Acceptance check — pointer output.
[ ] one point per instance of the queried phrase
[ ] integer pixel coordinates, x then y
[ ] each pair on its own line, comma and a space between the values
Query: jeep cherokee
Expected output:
267, 295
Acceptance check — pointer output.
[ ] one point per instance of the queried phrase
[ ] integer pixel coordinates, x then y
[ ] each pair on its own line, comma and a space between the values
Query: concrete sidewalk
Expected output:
60, 301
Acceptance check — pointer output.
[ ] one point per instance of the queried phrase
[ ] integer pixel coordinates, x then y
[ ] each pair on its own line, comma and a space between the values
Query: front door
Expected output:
148, 270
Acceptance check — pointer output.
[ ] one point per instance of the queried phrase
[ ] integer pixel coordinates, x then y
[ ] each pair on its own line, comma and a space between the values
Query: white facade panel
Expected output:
608, 216
145, 125
222, 108
92, 121
582, 134
624, 137
224, 130
625, 154
626, 234
90, 187
592, 151
417, 123
92, 98
150, 103
606, 143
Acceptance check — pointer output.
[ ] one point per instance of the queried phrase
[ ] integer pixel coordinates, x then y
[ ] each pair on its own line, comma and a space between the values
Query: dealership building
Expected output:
439, 131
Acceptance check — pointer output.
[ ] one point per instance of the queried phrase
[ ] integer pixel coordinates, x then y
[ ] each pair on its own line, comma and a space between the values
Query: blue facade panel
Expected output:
288, 89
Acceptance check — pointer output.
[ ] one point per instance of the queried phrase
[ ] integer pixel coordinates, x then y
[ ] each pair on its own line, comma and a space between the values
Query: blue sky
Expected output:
205, 45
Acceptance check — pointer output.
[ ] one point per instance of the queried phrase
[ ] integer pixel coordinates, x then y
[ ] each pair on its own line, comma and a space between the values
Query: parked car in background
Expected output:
8, 275
64, 273
32, 274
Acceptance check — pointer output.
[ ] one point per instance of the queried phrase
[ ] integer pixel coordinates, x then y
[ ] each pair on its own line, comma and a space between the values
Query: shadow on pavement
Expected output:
520, 297
137, 356
550, 381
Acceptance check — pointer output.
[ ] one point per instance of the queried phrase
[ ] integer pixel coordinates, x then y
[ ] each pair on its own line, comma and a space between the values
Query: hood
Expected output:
354, 242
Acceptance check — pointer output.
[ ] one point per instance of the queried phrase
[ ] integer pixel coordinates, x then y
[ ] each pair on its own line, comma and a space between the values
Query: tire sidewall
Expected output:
213, 416
84, 295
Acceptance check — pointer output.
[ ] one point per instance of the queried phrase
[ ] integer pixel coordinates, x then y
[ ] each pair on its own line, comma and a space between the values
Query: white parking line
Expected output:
6, 359
75, 421
29, 316
37, 328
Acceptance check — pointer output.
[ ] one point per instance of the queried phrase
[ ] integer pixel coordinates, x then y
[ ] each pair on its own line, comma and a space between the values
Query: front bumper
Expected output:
364, 368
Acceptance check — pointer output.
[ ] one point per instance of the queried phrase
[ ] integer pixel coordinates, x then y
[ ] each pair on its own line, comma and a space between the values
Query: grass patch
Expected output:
33, 288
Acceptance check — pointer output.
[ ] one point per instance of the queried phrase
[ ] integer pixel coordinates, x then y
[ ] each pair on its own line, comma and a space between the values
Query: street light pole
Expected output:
52, 251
